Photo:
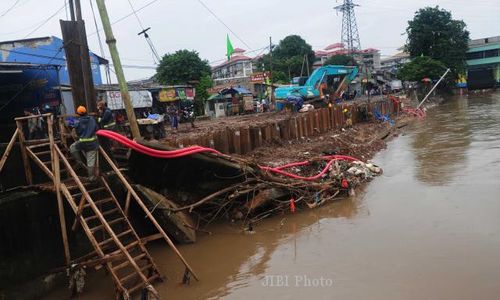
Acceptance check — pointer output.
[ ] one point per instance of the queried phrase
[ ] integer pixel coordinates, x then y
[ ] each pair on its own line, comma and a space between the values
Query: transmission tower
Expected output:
350, 34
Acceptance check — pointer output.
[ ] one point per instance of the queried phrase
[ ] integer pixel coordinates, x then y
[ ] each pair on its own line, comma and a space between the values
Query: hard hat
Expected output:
345, 110
81, 110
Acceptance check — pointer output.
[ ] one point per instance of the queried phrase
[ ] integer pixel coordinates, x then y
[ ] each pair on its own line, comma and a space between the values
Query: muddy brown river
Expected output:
429, 228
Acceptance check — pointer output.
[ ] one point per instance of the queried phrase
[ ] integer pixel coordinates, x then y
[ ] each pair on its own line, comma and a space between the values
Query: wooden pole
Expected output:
57, 187
8, 149
22, 145
146, 210
111, 41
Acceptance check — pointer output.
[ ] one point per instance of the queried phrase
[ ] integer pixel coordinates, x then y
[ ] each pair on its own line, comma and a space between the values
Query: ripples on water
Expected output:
456, 137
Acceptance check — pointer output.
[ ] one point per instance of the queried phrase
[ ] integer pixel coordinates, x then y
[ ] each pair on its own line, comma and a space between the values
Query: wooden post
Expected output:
111, 41
237, 141
146, 210
22, 146
56, 171
8, 149
294, 131
246, 144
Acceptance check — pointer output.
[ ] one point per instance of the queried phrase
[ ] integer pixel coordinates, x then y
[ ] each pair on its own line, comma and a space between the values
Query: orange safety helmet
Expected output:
81, 110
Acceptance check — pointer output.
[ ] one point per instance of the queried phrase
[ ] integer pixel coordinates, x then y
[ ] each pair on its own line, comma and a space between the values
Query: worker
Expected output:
106, 119
86, 128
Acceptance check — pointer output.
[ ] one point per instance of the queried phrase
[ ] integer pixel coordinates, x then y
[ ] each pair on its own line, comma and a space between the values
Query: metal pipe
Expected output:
434, 87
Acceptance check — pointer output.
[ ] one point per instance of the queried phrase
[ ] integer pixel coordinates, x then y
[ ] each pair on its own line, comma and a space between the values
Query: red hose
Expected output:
198, 149
153, 152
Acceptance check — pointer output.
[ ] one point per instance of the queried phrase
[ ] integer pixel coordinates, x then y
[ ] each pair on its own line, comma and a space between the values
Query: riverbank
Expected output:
362, 141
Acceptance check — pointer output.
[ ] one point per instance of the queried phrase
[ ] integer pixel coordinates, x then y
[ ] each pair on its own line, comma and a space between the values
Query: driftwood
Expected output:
177, 225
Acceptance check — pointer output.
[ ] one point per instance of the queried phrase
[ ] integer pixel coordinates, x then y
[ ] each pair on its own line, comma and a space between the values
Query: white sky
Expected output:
186, 24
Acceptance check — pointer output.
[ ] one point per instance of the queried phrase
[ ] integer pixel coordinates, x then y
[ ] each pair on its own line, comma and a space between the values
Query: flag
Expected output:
230, 48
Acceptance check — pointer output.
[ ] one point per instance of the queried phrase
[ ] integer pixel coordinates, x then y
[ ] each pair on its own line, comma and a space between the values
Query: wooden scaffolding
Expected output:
97, 210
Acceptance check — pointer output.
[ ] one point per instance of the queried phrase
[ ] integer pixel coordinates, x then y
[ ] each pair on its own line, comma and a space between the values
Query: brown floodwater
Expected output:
429, 228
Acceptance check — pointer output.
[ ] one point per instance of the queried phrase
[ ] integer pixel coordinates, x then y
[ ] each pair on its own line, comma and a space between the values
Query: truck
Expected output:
337, 78
396, 85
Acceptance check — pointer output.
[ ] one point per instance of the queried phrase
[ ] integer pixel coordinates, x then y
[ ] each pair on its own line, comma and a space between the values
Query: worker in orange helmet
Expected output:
86, 128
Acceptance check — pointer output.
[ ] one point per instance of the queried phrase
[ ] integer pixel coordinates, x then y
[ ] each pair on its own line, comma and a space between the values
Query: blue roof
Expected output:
237, 90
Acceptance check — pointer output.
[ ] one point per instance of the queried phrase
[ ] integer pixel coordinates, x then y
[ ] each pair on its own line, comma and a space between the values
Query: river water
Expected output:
429, 228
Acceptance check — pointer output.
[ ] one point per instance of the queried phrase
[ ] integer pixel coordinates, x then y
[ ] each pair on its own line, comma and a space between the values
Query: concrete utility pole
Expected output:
111, 41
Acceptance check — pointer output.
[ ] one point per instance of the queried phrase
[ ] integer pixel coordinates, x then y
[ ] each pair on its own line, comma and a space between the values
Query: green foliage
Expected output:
434, 33
202, 93
182, 67
341, 60
420, 68
288, 58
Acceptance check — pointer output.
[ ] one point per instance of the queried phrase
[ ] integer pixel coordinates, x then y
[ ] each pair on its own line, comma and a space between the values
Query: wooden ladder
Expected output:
99, 213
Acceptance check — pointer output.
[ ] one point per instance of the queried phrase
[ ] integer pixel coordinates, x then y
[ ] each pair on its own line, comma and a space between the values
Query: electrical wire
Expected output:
101, 47
10, 8
45, 22
126, 16
156, 57
225, 25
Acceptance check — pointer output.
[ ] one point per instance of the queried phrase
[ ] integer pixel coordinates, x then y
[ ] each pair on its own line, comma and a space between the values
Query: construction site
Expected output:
226, 183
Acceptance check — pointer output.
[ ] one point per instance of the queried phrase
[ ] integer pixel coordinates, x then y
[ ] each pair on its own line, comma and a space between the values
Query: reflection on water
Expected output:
429, 228
441, 143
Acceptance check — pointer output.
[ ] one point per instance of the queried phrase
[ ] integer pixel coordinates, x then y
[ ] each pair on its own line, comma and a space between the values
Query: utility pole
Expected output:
111, 41
350, 33
72, 10
271, 69
78, 58
78, 9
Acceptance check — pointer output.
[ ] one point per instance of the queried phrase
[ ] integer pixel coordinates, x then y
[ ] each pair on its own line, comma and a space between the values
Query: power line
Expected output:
10, 8
46, 21
225, 25
126, 16
101, 47
146, 35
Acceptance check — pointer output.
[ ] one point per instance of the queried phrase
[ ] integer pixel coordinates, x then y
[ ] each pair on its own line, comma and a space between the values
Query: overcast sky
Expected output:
187, 24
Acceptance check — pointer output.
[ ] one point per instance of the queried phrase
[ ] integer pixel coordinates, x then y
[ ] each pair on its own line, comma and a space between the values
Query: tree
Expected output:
341, 60
289, 58
434, 33
420, 68
202, 93
182, 67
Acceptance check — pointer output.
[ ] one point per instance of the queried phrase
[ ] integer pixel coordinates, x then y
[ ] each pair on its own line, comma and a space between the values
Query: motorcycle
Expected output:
187, 114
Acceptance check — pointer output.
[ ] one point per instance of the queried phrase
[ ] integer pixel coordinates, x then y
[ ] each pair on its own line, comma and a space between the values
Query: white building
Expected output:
239, 66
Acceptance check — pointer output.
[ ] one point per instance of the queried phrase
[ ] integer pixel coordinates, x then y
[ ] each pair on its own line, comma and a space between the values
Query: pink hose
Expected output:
198, 149
331, 158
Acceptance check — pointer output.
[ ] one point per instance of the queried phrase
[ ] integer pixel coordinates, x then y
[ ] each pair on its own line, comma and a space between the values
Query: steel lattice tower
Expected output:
350, 34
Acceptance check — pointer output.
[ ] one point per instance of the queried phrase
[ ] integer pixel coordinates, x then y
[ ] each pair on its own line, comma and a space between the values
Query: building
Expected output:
239, 71
37, 71
236, 71
389, 66
483, 63
369, 58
